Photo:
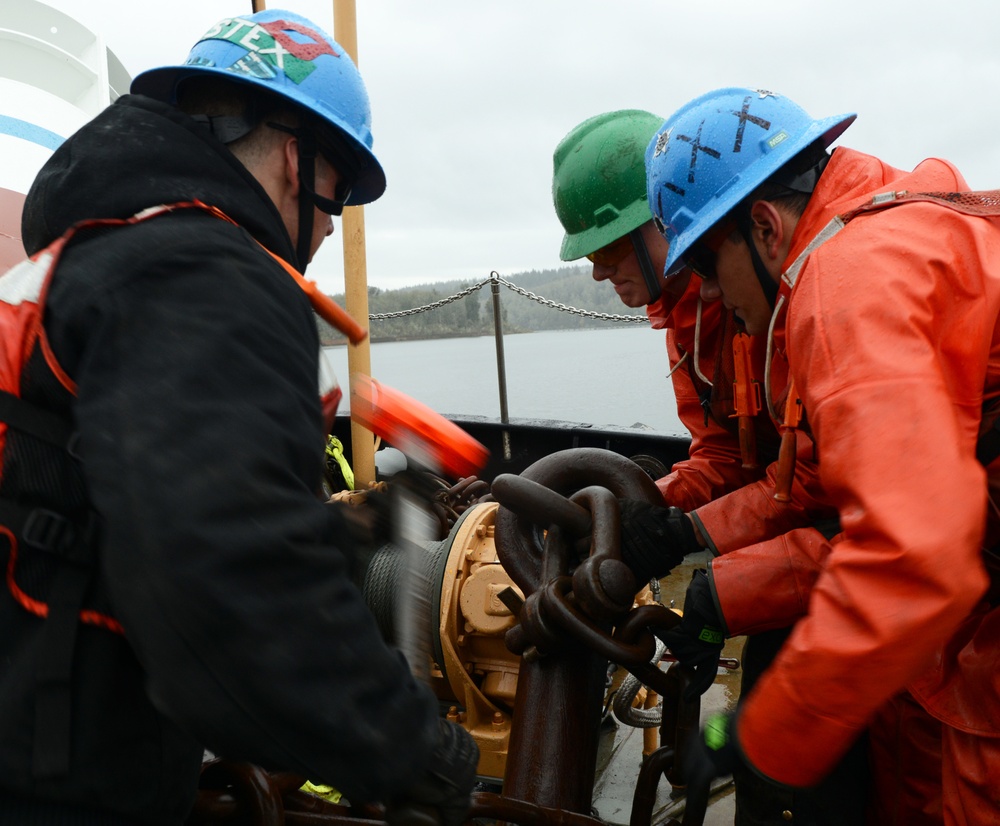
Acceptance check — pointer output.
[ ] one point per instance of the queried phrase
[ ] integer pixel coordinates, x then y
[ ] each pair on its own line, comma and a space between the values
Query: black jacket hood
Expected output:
140, 153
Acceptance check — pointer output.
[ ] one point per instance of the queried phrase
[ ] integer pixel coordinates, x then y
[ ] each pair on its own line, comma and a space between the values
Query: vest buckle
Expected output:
50, 532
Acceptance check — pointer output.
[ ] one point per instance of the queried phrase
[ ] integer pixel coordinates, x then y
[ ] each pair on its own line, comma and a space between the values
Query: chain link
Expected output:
433, 306
499, 279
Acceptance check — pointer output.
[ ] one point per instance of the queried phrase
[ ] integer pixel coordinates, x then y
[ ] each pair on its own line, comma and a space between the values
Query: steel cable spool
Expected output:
385, 579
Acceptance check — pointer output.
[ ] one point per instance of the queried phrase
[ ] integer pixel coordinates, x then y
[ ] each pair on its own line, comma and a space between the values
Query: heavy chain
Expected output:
499, 279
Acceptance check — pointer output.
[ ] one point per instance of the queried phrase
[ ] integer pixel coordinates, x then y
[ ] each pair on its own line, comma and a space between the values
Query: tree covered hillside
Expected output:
473, 314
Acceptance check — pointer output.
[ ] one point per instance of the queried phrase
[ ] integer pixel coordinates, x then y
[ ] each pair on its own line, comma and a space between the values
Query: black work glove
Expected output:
654, 538
368, 517
697, 641
442, 795
713, 753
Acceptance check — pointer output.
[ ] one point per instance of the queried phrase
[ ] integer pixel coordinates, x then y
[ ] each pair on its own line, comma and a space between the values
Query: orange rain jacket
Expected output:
736, 506
733, 507
893, 342
714, 465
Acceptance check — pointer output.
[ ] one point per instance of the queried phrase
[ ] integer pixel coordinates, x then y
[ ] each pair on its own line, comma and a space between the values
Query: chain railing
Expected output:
496, 278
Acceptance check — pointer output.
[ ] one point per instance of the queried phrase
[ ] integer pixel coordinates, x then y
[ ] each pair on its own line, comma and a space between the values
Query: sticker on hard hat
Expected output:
661, 143
774, 140
270, 43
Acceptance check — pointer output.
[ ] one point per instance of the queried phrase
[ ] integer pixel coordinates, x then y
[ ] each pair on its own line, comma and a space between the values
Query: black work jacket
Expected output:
200, 437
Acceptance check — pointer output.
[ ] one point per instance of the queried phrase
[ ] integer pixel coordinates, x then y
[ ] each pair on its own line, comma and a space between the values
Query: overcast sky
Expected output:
470, 97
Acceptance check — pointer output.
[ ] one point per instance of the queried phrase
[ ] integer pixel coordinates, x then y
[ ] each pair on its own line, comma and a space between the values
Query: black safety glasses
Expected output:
701, 256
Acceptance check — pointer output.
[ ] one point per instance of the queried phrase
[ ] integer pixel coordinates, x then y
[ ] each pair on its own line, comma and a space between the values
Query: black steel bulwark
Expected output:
528, 440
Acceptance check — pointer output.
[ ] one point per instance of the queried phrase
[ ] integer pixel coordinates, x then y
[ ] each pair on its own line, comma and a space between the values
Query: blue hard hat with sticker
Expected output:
292, 57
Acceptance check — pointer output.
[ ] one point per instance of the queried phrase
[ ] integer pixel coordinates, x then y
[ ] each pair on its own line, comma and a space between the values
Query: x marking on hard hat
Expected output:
745, 116
696, 147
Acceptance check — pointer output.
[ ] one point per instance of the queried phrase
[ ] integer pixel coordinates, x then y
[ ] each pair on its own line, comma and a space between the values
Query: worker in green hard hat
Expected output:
599, 191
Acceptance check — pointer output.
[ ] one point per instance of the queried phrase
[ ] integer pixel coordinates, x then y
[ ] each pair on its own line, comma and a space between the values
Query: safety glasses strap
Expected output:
649, 275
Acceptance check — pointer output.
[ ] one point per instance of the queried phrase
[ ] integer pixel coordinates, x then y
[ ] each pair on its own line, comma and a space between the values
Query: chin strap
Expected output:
804, 182
308, 145
767, 284
307, 182
230, 128
649, 275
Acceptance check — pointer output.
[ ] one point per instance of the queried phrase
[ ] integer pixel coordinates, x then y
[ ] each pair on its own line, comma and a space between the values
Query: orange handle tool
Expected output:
785, 472
746, 395
410, 426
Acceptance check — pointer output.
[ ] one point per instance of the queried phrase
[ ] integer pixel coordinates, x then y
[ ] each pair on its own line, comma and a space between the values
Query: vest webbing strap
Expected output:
72, 543
53, 687
33, 420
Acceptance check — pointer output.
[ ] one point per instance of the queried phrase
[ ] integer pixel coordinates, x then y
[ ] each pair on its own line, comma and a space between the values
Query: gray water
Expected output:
615, 376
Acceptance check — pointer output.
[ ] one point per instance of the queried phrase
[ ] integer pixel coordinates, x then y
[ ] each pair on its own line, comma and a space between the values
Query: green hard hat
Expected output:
599, 179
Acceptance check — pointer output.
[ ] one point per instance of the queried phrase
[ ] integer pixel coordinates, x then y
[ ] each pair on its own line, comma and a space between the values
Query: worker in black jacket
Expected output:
174, 583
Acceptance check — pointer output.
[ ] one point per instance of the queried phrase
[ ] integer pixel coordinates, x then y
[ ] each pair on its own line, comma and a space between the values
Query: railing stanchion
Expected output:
501, 368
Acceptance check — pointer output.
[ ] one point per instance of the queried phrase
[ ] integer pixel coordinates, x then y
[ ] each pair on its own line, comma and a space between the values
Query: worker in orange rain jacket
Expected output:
888, 311
599, 190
